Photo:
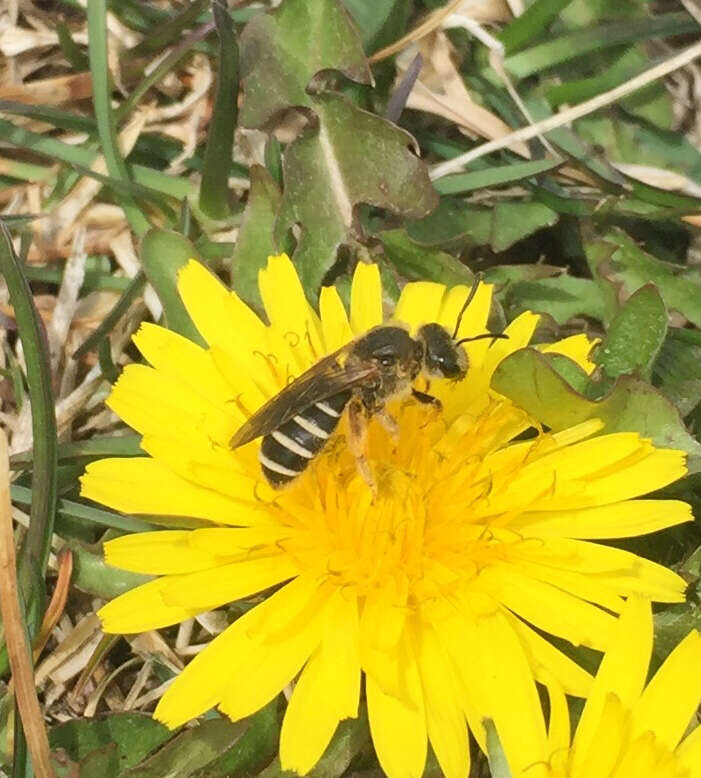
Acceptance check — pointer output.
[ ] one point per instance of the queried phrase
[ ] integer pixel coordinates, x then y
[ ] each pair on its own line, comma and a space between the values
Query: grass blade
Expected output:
214, 190
101, 83
493, 176
531, 23
581, 42
34, 553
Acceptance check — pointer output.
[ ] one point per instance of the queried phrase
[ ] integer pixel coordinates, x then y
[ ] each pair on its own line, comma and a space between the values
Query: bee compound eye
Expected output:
387, 361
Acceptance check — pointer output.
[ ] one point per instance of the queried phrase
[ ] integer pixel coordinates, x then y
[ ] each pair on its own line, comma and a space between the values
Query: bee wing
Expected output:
324, 379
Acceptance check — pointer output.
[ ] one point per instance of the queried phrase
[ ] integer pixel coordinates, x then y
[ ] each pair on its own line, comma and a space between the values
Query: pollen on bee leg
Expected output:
357, 442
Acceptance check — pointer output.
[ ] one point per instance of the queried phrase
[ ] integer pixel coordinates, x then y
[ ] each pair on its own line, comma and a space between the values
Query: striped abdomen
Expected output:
286, 452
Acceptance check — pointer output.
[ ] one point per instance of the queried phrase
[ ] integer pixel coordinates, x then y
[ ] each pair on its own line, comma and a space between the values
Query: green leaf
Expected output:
562, 298
635, 335
283, 50
677, 372
672, 625
529, 379
255, 749
349, 157
582, 42
532, 23
191, 750
133, 734
512, 222
455, 221
459, 183
418, 263
214, 187
617, 260
163, 253
381, 22
255, 240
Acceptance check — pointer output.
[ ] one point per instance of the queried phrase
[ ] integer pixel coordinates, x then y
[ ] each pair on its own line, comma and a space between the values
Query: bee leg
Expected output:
426, 399
357, 440
389, 423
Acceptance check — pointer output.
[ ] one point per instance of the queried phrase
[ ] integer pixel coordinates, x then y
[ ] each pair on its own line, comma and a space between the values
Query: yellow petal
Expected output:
211, 466
334, 320
141, 609
159, 553
474, 319
339, 656
366, 298
689, 753
287, 307
273, 660
619, 520
548, 608
398, 726
207, 589
217, 312
559, 722
177, 357
576, 347
219, 669
419, 303
514, 703
143, 485
548, 663
672, 697
445, 722
622, 672
310, 720
597, 757
151, 401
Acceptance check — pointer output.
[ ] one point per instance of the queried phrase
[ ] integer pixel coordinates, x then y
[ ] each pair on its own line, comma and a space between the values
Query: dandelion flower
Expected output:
629, 729
435, 592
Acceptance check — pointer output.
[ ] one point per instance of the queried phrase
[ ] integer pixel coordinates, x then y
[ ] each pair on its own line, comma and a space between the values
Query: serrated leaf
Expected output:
349, 157
562, 298
512, 222
528, 378
134, 735
672, 625
677, 373
502, 226
627, 267
635, 335
255, 241
418, 263
283, 50
163, 253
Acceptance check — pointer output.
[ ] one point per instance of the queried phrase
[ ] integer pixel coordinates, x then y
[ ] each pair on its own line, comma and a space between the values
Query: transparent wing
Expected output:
324, 379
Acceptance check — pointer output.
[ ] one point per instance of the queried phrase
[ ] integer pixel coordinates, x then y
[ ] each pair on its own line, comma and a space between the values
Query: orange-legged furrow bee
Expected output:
364, 375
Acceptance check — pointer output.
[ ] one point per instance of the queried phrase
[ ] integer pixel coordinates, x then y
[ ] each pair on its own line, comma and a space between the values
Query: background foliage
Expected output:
137, 134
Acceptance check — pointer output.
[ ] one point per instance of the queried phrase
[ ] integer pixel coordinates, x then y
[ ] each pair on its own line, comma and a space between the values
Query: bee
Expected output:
362, 376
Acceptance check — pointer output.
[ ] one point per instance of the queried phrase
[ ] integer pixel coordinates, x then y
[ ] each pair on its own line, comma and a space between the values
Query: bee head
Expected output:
392, 350
442, 356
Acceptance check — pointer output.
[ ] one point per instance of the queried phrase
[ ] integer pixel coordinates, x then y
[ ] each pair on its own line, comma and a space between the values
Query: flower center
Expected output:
420, 527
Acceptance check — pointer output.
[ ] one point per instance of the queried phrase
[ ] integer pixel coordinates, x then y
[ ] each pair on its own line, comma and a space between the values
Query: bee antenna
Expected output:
492, 335
470, 298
